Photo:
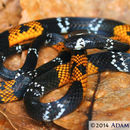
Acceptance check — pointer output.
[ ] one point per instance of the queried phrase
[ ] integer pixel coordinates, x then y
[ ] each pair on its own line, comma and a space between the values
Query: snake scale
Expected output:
72, 65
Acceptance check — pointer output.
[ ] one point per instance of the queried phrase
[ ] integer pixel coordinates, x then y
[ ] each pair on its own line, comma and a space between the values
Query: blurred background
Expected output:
112, 100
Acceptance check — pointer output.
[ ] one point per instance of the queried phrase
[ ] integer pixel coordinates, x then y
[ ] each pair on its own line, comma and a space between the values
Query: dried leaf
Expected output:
112, 96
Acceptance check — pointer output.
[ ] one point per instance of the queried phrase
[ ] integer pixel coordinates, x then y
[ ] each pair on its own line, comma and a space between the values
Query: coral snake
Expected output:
72, 65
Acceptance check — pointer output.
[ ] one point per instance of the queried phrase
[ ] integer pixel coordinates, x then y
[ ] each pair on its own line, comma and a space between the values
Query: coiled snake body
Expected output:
72, 65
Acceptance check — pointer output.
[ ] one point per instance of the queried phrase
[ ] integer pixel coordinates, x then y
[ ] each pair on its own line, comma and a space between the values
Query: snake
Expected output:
72, 65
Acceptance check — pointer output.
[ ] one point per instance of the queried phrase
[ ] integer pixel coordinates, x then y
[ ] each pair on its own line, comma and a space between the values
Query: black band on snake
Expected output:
71, 66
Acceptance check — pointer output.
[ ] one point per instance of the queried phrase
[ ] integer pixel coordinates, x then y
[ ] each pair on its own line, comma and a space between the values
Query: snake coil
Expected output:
72, 65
